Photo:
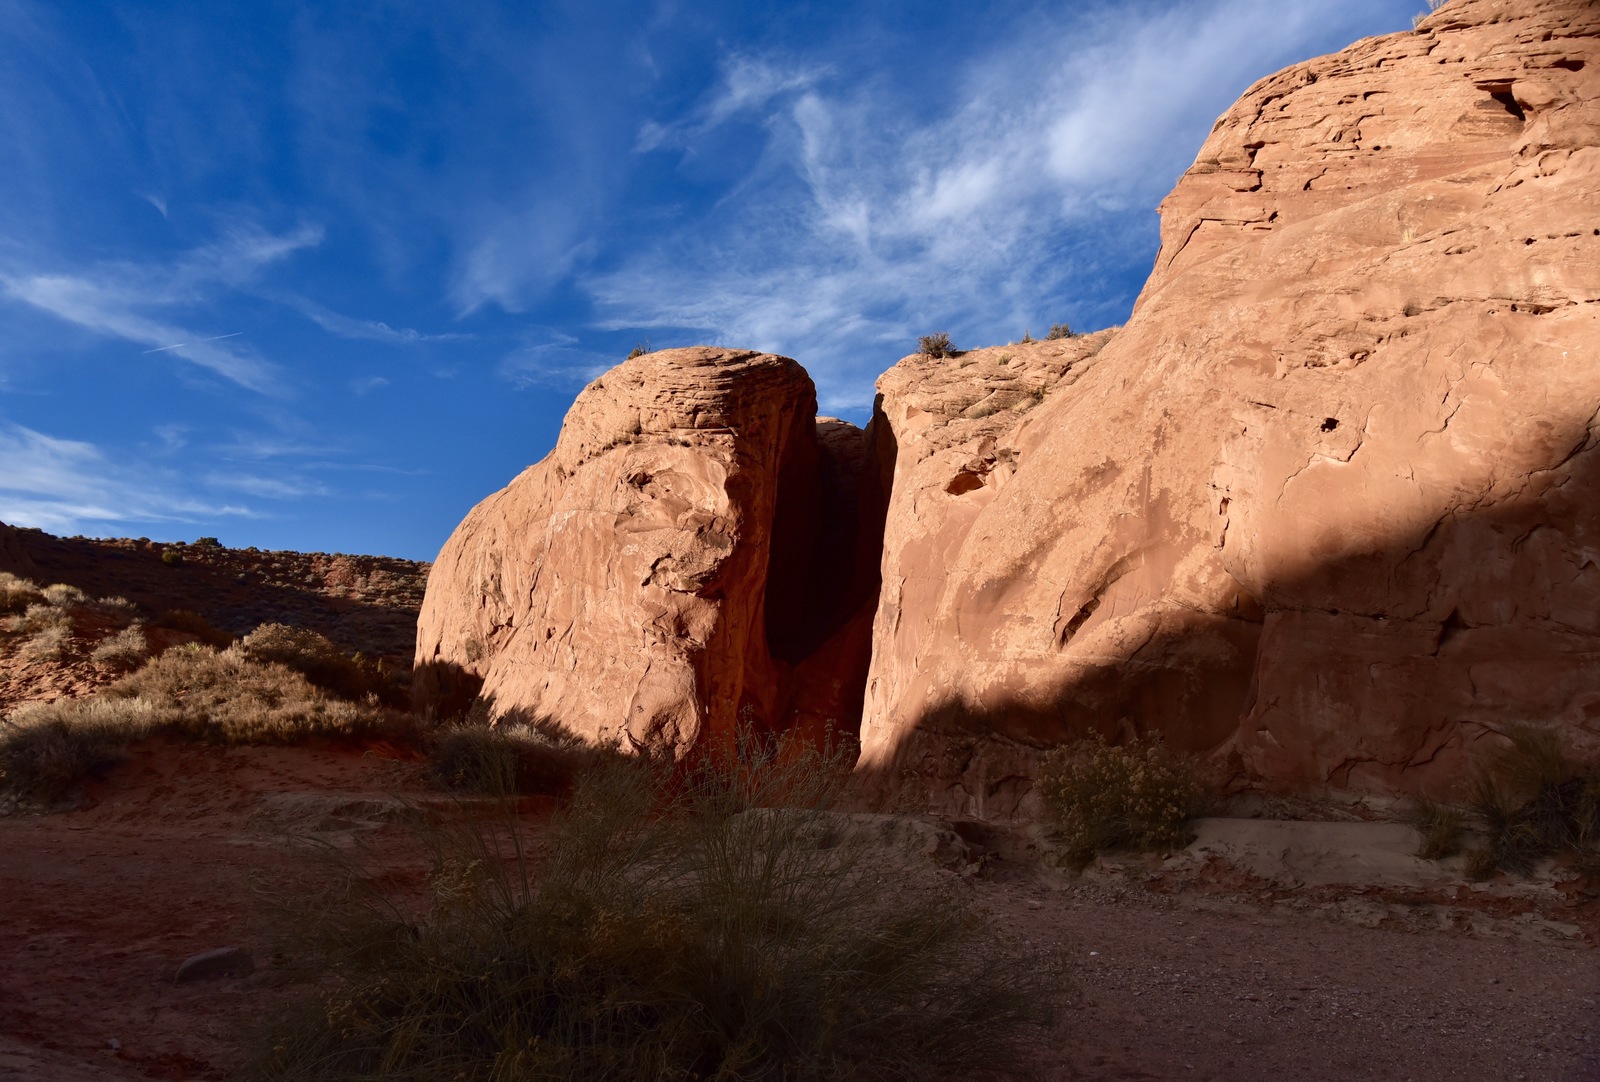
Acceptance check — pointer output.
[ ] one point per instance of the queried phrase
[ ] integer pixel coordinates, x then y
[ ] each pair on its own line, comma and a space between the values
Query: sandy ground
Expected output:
1185, 969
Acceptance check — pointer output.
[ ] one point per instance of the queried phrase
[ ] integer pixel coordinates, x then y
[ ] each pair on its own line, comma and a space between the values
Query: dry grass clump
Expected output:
1532, 801
936, 345
315, 657
227, 697
668, 934
1441, 827
1526, 800
47, 748
511, 757
45, 615
192, 691
48, 630
1138, 796
17, 593
124, 651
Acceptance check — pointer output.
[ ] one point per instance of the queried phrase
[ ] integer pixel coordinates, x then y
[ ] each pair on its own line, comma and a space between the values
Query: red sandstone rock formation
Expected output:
1328, 507
13, 557
680, 564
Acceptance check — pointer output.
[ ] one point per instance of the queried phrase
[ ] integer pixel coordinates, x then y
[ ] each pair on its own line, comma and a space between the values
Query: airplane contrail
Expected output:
180, 345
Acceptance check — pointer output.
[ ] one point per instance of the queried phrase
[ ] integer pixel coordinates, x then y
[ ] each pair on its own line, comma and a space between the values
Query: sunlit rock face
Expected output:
683, 564
1328, 507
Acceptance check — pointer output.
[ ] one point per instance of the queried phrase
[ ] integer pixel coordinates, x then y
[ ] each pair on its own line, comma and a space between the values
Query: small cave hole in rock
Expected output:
1505, 98
1330, 423
1568, 65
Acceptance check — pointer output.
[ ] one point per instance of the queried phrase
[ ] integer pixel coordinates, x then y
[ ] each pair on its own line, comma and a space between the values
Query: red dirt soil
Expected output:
102, 903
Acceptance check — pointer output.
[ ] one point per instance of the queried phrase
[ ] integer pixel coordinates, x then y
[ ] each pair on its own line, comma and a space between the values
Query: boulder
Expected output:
664, 575
1327, 508
215, 964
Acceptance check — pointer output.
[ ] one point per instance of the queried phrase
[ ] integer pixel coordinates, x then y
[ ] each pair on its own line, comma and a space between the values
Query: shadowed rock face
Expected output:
669, 570
13, 557
1328, 507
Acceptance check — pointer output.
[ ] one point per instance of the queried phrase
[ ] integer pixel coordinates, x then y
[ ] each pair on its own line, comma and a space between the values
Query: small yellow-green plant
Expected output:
1100, 797
936, 345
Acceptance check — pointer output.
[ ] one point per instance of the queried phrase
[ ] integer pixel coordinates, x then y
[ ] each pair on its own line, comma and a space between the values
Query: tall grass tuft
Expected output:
1532, 801
680, 926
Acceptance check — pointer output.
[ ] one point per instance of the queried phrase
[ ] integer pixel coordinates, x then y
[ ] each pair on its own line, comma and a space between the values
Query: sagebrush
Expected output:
936, 345
1099, 797
678, 927
194, 692
513, 756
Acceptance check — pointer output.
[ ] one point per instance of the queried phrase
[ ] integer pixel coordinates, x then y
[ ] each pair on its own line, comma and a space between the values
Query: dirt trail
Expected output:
101, 904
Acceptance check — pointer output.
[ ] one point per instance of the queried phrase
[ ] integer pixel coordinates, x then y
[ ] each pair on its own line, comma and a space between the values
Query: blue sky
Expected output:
322, 276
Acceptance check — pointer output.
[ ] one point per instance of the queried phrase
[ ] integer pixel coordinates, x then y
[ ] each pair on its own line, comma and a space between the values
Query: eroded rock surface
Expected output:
1328, 507
667, 571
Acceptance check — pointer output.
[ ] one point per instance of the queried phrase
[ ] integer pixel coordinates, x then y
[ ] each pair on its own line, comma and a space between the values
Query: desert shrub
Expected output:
1058, 331
47, 748
512, 757
47, 628
1137, 796
315, 657
63, 595
124, 651
17, 593
669, 933
639, 350
1441, 827
936, 345
119, 609
192, 623
192, 692
207, 543
171, 557
228, 697
1531, 800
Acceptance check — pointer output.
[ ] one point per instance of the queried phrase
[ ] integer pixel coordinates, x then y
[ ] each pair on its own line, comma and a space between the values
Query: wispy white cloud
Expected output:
748, 85
271, 488
1007, 208
559, 363
368, 329
135, 302
70, 486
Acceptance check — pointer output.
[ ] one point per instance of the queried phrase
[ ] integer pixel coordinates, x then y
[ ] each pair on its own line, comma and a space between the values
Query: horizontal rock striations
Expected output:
1328, 507
668, 571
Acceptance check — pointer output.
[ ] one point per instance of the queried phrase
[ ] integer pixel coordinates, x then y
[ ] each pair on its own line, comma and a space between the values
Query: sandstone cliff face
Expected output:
678, 565
13, 557
1328, 507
